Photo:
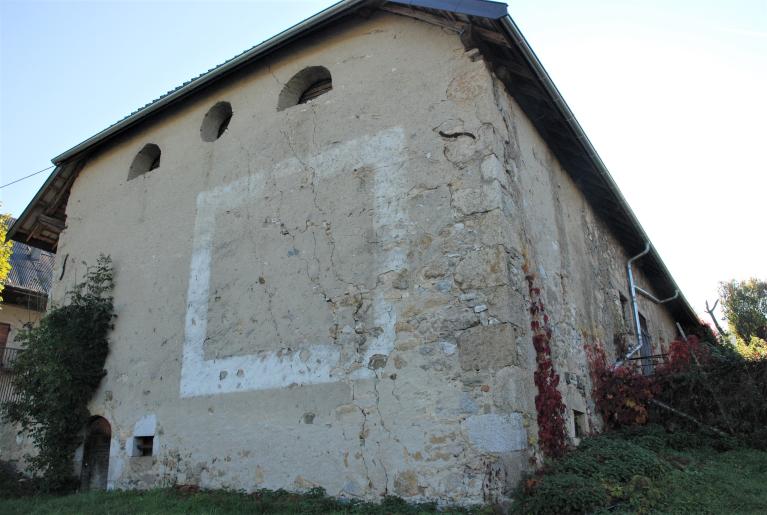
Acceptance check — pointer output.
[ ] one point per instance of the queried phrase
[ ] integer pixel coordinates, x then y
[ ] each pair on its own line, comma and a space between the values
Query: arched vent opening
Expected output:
145, 161
305, 86
216, 121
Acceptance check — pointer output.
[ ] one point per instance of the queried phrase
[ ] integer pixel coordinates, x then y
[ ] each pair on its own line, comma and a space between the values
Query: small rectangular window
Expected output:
624, 309
5, 330
143, 445
581, 424
5, 355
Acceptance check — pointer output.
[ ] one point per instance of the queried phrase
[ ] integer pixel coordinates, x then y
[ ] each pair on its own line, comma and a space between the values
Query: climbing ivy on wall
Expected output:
548, 402
621, 394
58, 372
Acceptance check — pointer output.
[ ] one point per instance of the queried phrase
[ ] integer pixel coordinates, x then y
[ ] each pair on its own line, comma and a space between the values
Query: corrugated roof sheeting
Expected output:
31, 269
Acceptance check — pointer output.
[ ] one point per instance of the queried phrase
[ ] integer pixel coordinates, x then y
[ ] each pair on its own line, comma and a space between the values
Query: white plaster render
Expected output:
276, 369
145, 426
117, 459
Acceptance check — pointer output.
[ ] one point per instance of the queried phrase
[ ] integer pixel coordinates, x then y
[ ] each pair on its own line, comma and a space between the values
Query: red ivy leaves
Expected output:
622, 394
548, 403
682, 354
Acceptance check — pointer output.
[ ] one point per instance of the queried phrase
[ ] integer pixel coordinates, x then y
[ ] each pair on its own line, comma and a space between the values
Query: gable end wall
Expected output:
334, 295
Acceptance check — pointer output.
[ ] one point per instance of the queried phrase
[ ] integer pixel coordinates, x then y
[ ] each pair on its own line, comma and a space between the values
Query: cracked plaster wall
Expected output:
357, 263
578, 263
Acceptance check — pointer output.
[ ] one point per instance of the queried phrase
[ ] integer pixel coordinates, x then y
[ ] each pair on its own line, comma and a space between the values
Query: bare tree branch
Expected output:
710, 311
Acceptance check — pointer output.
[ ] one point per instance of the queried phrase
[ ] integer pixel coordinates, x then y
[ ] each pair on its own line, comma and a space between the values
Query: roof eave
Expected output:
490, 10
536, 65
16, 225
258, 51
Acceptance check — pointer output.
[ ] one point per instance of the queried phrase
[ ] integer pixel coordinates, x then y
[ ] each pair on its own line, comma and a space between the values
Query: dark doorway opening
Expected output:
96, 455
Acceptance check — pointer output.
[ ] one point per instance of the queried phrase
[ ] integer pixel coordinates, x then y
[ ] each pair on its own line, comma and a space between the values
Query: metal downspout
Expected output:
633, 295
656, 299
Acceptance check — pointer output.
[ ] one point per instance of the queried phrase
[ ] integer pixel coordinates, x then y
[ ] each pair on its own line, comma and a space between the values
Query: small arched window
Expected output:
145, 161
305, 86
216, 121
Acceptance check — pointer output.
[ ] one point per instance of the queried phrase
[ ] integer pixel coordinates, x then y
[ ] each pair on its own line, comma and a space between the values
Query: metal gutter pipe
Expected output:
633, 294
654, 298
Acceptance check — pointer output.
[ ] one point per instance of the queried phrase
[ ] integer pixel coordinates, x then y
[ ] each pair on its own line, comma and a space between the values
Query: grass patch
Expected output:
170, 501
650, 470
646, 470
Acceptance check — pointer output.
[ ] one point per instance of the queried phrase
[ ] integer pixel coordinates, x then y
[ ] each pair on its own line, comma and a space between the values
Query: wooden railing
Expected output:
8, 356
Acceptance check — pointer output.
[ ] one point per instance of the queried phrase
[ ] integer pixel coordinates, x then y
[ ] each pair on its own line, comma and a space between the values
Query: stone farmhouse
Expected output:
326, 251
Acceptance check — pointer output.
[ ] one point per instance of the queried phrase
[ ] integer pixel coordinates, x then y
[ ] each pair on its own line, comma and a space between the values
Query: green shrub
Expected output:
660, 439
13, 483
55, 376
560, 494
612, 460
724, 391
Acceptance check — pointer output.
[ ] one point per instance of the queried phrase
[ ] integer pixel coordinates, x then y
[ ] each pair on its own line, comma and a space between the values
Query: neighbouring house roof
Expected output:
31, 271
482, 24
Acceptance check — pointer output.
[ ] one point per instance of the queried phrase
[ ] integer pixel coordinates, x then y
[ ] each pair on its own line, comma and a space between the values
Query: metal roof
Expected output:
481, 23
31, 269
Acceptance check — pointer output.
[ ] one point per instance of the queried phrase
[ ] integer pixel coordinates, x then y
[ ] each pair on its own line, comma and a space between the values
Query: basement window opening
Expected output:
216, 121
305, 86
146, 160
624, 308
143, 445
581, 424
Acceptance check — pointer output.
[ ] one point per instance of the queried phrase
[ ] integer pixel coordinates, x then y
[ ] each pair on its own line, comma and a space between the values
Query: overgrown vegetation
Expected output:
719, 389
704, 386
709, 406
58, 372
705, 449
621, 394
13, 483
649, 470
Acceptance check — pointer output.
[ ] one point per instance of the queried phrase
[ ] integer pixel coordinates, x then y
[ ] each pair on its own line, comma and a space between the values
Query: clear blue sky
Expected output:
671, 93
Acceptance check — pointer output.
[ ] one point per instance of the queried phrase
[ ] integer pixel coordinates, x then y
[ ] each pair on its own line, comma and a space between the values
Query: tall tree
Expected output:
745, 307
6, 248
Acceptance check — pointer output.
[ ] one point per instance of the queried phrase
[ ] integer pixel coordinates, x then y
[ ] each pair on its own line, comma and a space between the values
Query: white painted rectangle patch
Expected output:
384, 153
